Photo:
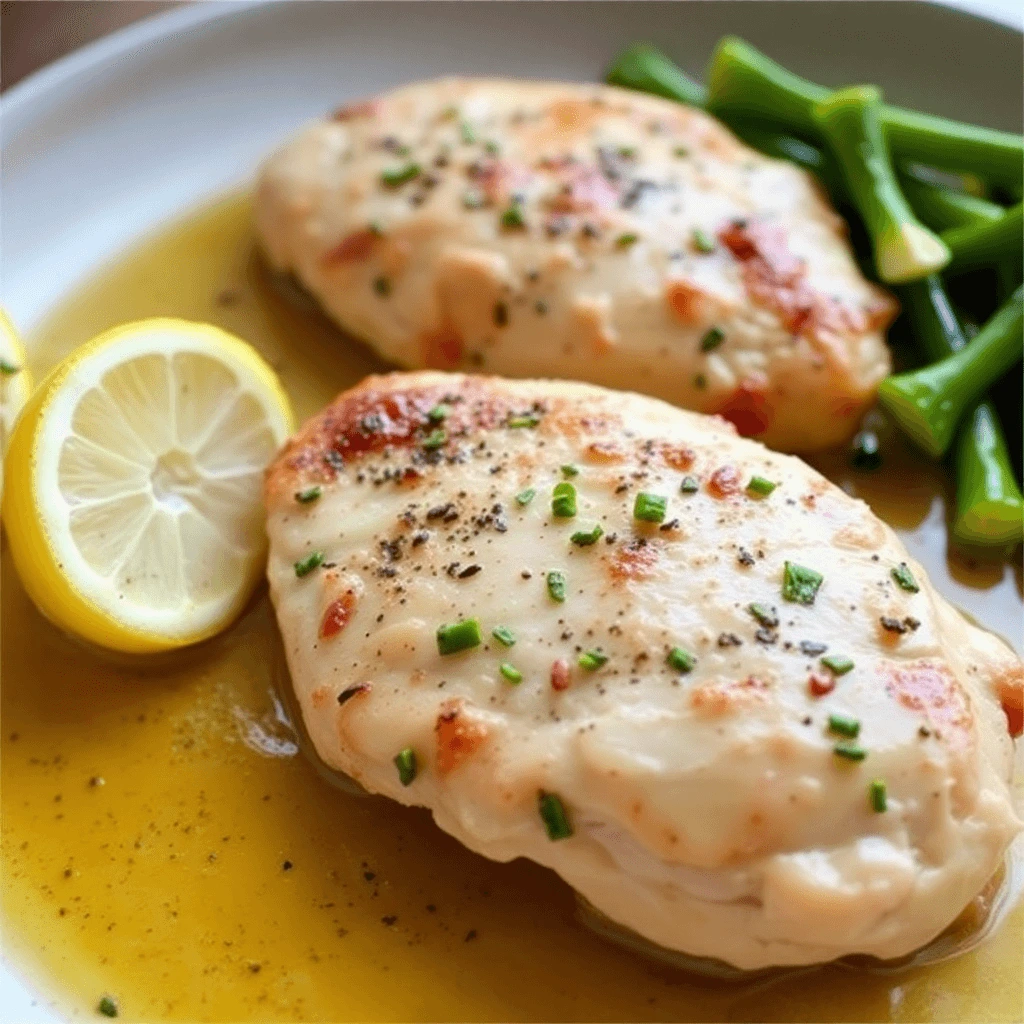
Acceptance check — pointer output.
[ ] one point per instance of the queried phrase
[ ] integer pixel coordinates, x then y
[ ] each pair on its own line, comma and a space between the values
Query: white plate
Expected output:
132, 130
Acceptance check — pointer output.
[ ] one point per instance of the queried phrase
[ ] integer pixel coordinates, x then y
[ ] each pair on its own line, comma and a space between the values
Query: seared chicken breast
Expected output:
689, 674
582, 232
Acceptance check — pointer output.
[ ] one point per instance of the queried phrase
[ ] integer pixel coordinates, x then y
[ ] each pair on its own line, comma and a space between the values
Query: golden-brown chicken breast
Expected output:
693, 677
582, 232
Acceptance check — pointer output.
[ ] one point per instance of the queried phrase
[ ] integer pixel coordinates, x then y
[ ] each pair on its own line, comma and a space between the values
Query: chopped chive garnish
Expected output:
680, 660
680, 151
552, 813
851, 751
473, 199
570, 470
838, 664
702, 241
382, 286
689, 485
712, 339
468, 133
592, 660
439, 413
107, 1007
626, 240
627, 152
528, 419
584, 538
556, 585
449, 113
492, 147
877, 796
458, 636
512, 218
760, 486
511, 673
650, 508
843, 725
393, 177
503, 635
800, 584
405, 762
8, 369
766, 614
375, 228
306, 565
905, 578
524, 497
435, 439
563, 501
309, 494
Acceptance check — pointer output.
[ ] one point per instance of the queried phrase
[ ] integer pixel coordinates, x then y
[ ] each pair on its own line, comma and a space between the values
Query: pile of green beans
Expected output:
899, 170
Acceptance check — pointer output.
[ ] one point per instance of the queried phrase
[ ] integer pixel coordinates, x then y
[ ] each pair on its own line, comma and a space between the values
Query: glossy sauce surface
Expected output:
165, 842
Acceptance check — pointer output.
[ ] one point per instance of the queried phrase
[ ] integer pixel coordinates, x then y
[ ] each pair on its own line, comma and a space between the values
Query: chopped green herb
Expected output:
650, 508
512, 218
592, 660
435, 439
526, 496
556, 585
843, 725
681, 660
528, 419
382, 286
765, 614
712, 339
375, 228
626, 240
394, 177
627, 152
865, 451
306, 565
503, 635
584, 538
800, 584
905, 578
439, 413
458, 636
570, 470
851, 751
405, 762
563, 501
760, 486
689, 485
449, 113
838, 664
107, 1007
680, 151
472, 199
702, 241
552, 813
309, 494
492, 147
511, 673
468, 133
8, 369
877, 796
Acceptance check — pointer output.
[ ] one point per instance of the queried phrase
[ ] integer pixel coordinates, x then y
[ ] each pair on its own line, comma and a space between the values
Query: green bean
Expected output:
989, 505
744, 82
905, 250
647, 69
986, 245
928, 403
942, 208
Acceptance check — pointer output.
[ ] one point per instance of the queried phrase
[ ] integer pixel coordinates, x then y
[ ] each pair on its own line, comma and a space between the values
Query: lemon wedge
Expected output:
15, 379
133, 482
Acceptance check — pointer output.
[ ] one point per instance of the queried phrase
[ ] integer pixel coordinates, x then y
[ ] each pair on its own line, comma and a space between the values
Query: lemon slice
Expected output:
15, 380
133, 503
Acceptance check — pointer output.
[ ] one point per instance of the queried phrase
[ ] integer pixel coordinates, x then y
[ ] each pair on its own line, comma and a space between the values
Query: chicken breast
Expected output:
582, 232
693, 677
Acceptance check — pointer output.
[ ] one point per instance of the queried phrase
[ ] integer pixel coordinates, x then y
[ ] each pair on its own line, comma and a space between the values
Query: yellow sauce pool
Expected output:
164, 843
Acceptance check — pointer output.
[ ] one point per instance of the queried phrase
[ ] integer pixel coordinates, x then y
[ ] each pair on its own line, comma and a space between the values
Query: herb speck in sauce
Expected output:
107, 1006
503, 635
556, 585
843, 725
850, 751
395, 177
767, 615
552, 813
650, 508
309, 494
689, 485
760, 487
591, 661
905, 578
800, 584
458, 636
563, 501
382, 286
405, 762
837, 664
524, 497
702, 241
306, 565
681, 660
877, 796
584, 538
510, 673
